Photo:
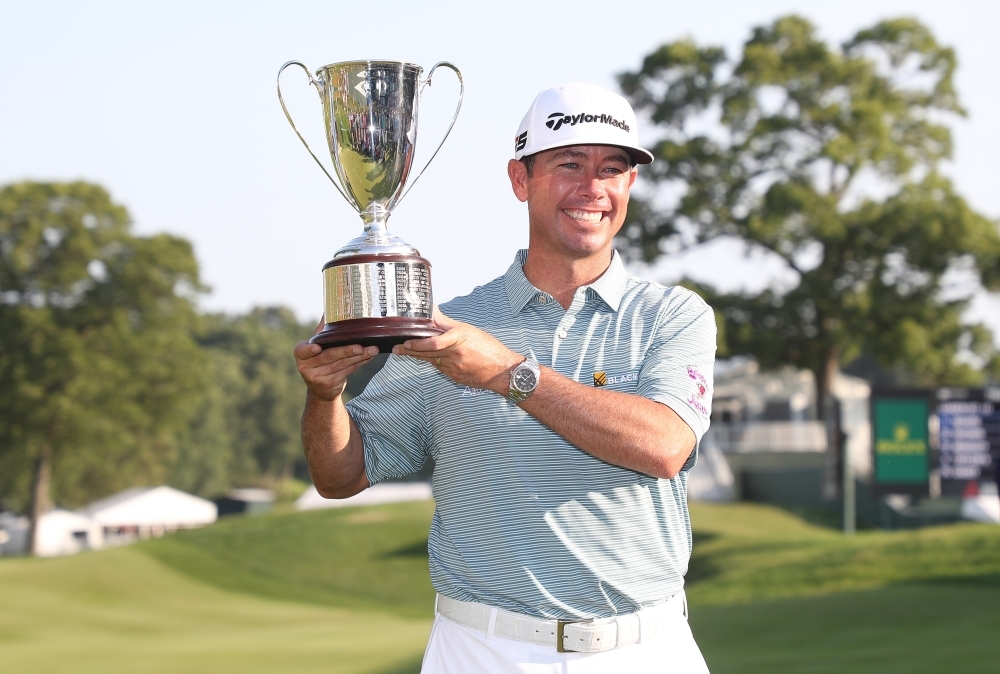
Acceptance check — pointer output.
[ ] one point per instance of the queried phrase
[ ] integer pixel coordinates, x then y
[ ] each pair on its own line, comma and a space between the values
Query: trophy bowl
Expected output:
377, 288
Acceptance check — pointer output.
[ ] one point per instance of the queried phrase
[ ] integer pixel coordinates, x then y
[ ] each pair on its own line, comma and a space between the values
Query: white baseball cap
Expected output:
579, 114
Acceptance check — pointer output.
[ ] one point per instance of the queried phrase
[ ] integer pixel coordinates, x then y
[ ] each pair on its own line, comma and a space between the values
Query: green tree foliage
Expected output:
259, 391
99, 372
828, 159
109, 378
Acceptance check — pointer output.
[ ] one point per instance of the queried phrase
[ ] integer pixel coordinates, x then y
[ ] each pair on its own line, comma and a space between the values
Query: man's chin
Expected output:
583, 251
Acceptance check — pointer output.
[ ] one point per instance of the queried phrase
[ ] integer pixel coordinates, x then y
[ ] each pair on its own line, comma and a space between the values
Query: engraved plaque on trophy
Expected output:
377, 288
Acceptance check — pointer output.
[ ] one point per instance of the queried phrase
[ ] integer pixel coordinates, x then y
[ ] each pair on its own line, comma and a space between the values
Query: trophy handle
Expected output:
461, 95
296, 129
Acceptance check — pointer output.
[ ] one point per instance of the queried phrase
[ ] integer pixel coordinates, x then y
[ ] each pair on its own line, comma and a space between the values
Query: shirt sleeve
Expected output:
678, 366
390, 415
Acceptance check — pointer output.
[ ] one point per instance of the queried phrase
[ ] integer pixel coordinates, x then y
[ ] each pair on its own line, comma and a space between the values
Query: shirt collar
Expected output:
610, 287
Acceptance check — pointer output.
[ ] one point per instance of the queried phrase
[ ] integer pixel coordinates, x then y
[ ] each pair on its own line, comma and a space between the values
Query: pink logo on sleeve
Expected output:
697, 397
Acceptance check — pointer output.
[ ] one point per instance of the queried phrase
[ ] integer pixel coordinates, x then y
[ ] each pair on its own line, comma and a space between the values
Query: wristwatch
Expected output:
524, 380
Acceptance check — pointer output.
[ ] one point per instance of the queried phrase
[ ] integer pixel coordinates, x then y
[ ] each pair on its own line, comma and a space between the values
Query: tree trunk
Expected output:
824, 380
829, 412
41, 501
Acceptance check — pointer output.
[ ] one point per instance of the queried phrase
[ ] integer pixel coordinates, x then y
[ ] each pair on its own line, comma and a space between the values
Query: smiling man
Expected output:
562, 406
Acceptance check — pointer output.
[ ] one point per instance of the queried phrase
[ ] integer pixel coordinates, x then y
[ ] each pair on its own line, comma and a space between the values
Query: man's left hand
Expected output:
465, 354
624, 429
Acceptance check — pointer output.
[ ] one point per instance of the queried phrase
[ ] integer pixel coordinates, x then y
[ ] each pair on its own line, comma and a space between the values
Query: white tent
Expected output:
145, 511
61, 532
385, 492
710, 479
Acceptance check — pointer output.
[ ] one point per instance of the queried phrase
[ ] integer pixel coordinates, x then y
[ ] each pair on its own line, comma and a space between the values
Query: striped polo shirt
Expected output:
523, 520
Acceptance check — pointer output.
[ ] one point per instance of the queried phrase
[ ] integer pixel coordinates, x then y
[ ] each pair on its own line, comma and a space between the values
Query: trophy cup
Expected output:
377, 288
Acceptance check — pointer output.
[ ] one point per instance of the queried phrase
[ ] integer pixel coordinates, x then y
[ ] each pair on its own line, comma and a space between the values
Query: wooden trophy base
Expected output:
384, 333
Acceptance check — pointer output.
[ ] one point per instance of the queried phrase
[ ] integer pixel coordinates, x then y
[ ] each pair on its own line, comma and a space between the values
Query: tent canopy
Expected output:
151, 507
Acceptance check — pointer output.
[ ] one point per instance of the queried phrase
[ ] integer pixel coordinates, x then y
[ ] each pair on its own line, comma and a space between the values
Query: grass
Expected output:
911, 628
771, 593
359, 558
319, 591
123, 611
747, 553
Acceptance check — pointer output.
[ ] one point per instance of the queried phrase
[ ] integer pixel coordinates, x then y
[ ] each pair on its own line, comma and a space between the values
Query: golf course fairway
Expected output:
346, 590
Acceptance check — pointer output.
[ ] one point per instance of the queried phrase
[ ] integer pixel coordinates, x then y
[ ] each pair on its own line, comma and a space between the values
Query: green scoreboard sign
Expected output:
901, 444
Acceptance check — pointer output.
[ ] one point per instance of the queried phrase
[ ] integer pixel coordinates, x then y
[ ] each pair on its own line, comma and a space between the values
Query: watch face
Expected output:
525, 380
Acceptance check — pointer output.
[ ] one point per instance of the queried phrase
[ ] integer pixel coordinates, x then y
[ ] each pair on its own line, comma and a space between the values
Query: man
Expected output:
562, 407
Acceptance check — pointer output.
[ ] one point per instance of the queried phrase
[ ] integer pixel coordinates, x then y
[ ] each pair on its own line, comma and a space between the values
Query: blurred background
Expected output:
825, 178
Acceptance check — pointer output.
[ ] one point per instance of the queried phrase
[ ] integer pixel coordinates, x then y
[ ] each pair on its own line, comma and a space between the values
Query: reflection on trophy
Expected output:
377, 288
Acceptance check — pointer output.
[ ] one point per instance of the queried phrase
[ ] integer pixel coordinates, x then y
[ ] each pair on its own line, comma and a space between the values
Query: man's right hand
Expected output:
325, 371
332, 442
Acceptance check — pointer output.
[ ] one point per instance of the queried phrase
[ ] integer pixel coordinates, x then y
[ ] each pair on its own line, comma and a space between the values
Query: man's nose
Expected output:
592, 186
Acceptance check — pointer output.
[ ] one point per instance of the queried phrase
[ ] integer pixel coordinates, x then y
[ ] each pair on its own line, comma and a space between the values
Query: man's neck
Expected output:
560, 278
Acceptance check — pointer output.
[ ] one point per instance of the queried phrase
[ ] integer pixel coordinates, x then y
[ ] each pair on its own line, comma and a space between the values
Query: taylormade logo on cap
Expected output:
557, 119
579, 114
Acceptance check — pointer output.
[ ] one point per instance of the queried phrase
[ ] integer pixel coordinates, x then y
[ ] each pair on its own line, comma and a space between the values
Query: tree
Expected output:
828, 159
99, 373
261, 393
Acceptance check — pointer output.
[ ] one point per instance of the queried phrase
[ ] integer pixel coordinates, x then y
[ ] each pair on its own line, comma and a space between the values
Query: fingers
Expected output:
426, 348
422, 350
443, 320
349, 370
430, 344
326, 366
316, 364
434, 360
326, 373
306, 351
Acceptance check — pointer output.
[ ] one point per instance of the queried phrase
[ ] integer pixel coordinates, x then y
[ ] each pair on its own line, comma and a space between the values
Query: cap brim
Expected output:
638, 155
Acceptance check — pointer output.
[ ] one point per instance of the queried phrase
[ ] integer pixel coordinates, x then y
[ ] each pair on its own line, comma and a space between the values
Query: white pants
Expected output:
456, 649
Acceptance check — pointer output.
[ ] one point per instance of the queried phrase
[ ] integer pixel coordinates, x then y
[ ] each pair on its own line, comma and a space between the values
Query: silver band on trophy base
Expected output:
377, 288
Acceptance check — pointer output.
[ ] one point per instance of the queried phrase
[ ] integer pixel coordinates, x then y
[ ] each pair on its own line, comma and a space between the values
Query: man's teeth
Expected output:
586, 216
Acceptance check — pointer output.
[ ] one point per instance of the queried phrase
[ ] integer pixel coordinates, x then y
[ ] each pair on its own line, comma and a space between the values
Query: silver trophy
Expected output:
377, 288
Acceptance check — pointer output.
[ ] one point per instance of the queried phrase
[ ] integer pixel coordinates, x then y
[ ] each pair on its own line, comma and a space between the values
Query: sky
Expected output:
172, 107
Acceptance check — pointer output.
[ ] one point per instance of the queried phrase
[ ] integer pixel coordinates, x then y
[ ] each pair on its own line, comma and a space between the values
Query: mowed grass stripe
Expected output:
375, 558
747, 552
124, 611
905, 629
347, 590
368, 558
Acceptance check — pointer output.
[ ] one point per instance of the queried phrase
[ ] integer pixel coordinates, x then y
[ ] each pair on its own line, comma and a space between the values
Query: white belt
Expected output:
589, 636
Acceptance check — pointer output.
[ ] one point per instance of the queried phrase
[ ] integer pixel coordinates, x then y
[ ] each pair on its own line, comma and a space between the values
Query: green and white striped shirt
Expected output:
525, 521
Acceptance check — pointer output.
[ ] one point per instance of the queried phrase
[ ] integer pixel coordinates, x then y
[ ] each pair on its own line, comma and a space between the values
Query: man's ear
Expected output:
518, 175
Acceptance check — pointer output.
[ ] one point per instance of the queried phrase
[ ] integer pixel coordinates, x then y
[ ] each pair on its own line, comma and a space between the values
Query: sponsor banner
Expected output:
901, 444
